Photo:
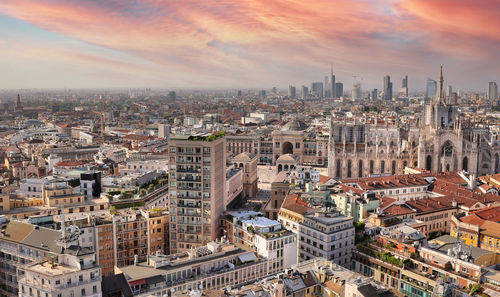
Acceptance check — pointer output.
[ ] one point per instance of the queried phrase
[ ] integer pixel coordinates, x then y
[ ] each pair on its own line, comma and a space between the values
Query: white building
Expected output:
269, 239
326, 234
72, 274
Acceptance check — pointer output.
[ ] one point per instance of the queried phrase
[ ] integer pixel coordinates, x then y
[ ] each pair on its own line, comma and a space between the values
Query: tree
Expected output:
359, 226
474, 288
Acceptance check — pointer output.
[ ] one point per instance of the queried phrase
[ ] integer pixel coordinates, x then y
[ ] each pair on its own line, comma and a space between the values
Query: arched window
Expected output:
465, 164
285, 167
447, 149
338, 169
405, 164
393, 167
447, 167
382, 166
280, 168
371, 166
428, 163
360, 168
349, 173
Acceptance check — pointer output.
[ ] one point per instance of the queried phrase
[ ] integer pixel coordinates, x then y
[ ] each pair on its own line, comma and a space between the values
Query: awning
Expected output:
247, 257
137, 282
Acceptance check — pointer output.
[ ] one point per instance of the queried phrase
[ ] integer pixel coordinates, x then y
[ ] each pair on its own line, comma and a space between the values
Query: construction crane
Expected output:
102, 120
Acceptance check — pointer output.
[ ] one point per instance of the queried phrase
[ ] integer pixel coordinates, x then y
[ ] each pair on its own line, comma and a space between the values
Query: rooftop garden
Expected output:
208, 138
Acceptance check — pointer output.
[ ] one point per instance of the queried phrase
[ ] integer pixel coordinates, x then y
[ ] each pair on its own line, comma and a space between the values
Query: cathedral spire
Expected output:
439, 94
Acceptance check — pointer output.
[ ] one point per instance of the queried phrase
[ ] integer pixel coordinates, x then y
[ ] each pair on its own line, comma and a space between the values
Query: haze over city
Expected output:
245, 44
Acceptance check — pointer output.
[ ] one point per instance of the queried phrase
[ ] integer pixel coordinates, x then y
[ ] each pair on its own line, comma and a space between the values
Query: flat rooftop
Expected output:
47, 269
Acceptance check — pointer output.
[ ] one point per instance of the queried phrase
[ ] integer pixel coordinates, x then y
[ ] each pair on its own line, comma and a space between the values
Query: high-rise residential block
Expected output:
492, 90
292, 92
197, 189
305, 92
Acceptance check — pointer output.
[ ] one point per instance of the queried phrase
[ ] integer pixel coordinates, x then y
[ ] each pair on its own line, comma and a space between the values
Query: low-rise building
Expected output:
213, 266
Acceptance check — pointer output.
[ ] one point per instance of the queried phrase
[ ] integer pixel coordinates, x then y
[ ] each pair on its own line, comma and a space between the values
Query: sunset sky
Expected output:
246, 43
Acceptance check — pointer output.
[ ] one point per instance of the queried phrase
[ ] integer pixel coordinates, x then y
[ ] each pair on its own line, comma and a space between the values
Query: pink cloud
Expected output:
257, 40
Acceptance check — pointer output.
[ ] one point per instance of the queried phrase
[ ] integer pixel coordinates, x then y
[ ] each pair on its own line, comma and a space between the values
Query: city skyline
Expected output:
252, 44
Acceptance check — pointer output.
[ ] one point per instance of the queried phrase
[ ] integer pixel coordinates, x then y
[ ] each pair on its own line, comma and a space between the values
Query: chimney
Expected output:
116, 170
136, 259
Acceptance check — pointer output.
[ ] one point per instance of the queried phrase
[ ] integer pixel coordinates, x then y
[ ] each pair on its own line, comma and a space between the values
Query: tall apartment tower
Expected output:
292, 92
305, 92
492, 91
197, 187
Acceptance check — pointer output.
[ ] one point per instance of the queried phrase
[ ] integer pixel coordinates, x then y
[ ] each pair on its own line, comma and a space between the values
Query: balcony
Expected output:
189, 170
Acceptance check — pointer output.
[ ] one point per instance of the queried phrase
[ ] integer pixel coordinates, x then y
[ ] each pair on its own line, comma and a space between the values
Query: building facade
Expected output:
442, 141
197, 190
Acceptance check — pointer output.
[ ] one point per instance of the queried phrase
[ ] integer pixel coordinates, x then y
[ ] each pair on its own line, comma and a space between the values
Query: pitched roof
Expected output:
293, 203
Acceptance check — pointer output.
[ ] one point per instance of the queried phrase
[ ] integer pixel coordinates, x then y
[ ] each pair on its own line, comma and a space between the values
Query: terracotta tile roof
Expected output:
324, 178
491, 229
386, 201
489, 214
463, 195
392, 181
430, 204
293, 203
332, 286
473, 220
398, 209
347, 189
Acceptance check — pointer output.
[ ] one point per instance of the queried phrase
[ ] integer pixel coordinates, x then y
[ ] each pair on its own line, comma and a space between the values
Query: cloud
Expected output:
258, 42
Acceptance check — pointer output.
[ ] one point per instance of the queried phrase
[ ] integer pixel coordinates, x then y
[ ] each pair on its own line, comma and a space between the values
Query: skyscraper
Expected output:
305, 92
317, 89
197, 189
333, 87
374, 95
492, 91
339, 90
326, 89
262, 94
405, 85
387, 88
356, 91
292, 92
431, 88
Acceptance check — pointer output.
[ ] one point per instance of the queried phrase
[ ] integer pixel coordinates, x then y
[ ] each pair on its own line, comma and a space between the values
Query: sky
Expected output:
246, 43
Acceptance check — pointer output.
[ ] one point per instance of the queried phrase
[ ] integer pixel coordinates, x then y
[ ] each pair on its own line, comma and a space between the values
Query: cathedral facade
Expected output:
441, 141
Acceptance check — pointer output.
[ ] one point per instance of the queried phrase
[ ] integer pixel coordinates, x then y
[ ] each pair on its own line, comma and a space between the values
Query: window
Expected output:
94, 289
83, 292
